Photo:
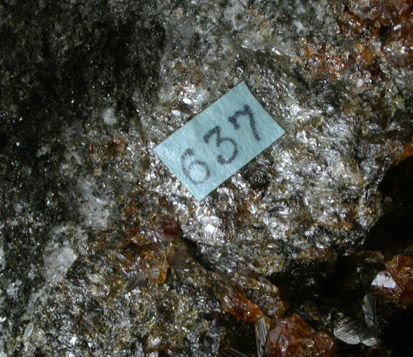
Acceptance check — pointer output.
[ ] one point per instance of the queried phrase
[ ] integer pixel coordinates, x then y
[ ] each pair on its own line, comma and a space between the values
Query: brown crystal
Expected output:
362, 55
322, 62
170, 228
154, 264
396, 282
407, 151
384, 12
292, 336
354, 26
391, 12
156, 230
398, 46
266, 295
114, 147
239, 306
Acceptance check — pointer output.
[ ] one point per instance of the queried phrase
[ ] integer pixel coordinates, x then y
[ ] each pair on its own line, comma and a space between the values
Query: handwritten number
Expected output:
217, 131
200, 168
247, 112
187, 169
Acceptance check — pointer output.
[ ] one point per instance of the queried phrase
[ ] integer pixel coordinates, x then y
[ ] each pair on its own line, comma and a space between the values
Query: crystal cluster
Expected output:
396, 282
394, 17
292, 336
104, 252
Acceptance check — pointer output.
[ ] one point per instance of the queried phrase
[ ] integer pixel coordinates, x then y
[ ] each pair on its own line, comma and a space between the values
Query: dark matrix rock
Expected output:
104, 252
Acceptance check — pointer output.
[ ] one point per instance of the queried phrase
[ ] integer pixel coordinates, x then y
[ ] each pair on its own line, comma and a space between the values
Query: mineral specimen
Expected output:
292, 336
398, 46
103, 252
386, 12
396, 282
239, 306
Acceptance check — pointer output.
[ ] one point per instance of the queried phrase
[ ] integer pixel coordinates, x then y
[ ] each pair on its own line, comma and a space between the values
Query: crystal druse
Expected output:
104, 252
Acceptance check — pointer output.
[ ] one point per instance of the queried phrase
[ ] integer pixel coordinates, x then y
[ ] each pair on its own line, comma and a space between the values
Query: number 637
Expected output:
190, 166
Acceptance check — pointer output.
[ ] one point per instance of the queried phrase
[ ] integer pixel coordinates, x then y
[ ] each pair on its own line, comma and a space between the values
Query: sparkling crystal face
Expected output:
219, 141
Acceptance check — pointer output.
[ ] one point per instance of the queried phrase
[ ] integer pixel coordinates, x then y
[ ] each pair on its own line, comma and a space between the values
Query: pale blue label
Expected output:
218, 142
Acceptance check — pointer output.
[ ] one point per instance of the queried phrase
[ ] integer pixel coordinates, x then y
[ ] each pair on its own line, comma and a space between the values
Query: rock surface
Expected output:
292, 336
104, 252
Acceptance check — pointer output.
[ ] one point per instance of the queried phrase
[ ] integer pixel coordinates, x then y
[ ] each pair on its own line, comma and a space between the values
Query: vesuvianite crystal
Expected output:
292, 336
104, 252
396, 282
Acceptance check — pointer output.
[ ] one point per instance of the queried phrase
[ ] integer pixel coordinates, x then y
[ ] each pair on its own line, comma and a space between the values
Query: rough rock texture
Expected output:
103, 252
292, 336
396, 282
